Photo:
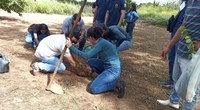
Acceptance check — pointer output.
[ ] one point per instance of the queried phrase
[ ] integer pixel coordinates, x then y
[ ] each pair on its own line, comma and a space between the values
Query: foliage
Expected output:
188, 41
54, 7
156, 15
13, 5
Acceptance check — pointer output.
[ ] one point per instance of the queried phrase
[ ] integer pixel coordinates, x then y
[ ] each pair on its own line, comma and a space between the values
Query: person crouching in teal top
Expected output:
107, 64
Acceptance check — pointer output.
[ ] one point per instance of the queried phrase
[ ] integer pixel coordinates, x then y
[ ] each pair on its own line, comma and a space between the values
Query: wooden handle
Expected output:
64, 50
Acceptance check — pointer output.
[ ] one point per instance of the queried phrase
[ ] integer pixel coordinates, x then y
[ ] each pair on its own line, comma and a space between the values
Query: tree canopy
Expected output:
13, 5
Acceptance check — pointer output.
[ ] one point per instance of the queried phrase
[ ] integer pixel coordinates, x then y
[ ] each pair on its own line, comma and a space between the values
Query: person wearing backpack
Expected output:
188, 38
172, 53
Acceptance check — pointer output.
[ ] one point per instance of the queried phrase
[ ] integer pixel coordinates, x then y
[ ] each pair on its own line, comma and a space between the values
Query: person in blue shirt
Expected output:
117, 36
172, 52
100, 11
131, 17
115, 12
190, 25
37, 32
107, 64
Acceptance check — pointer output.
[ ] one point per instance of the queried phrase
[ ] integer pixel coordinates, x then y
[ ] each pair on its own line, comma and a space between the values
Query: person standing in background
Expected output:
115, 12
100, 11
172, 52
131, 17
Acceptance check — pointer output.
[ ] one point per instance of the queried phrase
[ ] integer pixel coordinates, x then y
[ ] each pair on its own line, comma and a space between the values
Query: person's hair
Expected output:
44, 27
102, 26
74, 34
95, 32
134, 7
75, 16
30, 28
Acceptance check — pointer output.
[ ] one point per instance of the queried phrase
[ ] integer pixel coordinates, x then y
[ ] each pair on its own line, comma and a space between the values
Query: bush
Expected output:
53, 7
13, 5
156, 15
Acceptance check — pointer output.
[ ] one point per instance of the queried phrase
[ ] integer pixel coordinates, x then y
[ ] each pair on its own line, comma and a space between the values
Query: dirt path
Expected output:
142, 70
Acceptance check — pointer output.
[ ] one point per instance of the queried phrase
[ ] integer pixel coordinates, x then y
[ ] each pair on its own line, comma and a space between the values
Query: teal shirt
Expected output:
104, 50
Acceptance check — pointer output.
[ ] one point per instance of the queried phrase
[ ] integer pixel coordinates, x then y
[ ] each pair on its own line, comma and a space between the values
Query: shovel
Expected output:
55, 88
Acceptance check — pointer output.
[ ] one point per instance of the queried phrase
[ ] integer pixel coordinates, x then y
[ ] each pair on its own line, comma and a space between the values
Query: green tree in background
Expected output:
13, 5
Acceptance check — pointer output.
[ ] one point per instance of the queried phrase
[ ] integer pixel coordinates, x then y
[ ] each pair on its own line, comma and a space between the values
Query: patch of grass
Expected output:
156, 15
54, 7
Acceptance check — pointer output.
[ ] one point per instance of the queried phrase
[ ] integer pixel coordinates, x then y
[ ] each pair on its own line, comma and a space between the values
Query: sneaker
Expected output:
168, 103
121, 85
167, 83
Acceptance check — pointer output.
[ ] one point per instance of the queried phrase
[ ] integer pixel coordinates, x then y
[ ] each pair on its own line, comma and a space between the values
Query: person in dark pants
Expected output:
131, 17
100, 11
115, 12
172, 52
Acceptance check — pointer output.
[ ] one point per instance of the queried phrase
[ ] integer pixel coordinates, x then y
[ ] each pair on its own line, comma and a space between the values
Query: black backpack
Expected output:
172, 22
4, 64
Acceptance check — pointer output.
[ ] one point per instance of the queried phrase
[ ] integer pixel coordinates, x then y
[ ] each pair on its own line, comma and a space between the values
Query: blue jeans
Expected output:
28, 38
107, 78
125, 45
180, 65
129, 28
40, 37
171, 58
99, 22
49, 65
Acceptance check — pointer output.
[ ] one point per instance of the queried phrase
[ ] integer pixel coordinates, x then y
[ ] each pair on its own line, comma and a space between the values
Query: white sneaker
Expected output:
168, 103
35, 66
36, 69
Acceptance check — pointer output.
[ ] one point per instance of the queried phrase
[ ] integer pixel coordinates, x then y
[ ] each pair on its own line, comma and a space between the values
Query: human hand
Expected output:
196, 45
68, 42
164, 53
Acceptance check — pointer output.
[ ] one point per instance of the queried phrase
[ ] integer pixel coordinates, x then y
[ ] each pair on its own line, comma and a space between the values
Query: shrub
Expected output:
13, 5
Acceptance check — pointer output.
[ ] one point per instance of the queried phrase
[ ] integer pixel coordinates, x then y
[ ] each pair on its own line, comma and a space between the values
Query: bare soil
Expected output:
143, 70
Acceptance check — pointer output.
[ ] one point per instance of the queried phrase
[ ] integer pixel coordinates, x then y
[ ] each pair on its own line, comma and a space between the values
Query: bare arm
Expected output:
71, 61
171, 44
95, 15
121, 17
36, 38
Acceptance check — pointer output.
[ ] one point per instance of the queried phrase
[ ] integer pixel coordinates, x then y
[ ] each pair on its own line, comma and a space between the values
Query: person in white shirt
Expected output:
49, 51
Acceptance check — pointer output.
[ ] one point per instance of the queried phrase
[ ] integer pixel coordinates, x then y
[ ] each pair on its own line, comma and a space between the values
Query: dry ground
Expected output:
142, 70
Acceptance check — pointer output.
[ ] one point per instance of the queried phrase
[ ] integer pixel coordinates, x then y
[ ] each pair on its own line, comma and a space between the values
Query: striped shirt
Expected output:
192, 25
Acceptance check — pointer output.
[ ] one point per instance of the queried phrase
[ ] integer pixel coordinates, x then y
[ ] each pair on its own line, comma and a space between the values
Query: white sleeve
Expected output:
67, 53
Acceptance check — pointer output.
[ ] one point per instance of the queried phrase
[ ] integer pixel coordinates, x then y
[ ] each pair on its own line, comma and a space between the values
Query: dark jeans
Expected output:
129, 28
107, 78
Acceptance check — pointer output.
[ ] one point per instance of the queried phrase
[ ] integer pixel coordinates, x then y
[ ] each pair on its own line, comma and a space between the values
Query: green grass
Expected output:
153, 14
54, 7
156, 15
